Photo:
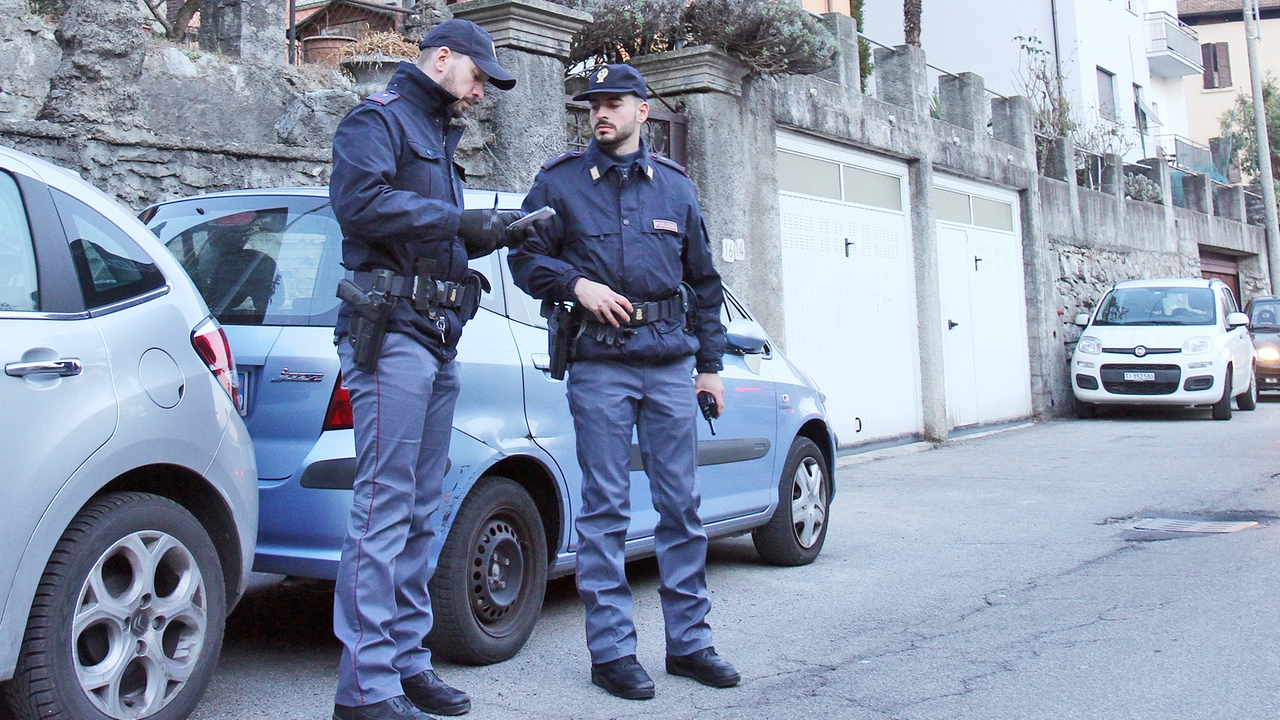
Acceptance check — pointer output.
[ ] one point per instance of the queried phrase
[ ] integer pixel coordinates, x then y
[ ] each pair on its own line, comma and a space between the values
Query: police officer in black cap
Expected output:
628, 235
398, 196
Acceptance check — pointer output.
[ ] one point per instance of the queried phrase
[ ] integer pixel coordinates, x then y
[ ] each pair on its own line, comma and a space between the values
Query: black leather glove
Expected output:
484, 231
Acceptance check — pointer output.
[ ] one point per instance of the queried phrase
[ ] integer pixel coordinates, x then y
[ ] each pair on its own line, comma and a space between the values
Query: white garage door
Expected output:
849, 285
984, 308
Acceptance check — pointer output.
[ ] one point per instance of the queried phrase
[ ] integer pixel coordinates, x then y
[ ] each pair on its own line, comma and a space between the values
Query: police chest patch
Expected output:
667, 225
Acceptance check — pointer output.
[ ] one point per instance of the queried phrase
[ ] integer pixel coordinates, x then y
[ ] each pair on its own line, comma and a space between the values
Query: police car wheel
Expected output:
491, 576
798, 528
128, 618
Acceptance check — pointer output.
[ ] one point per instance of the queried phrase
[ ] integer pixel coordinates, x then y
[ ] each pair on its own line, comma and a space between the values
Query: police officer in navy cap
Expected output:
629, 249
398, 196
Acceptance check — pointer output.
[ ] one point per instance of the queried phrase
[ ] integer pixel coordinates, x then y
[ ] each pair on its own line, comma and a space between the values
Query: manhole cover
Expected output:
1191, 526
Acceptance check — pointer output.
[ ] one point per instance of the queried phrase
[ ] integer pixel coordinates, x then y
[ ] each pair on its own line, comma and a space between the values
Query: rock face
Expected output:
426, 15
29, 55
312, 117
207, 97
103, 48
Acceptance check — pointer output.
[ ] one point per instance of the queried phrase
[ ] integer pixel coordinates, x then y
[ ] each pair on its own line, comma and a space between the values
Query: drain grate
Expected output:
1191, 526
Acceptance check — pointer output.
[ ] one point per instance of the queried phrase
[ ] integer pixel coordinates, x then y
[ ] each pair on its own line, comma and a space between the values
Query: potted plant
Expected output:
372, 60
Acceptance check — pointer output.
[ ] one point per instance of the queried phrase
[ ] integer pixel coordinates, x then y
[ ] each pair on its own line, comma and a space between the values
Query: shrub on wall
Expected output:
771, 37
768, 36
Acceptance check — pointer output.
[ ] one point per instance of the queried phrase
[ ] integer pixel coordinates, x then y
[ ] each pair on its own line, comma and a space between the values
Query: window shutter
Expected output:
1207, 53
1223, 64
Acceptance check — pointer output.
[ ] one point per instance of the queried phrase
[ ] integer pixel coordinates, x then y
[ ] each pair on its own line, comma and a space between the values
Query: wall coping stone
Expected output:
56, 131
533, 26
702, 68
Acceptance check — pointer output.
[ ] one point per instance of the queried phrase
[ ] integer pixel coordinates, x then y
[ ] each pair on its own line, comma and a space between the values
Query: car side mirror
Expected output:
1082, 319
745, 337
1237, 319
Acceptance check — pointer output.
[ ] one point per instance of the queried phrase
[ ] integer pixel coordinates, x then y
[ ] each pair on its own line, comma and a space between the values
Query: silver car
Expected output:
129, 498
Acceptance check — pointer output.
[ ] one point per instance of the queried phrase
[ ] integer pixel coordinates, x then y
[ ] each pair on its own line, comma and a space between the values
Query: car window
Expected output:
1157, 306
272, 260
19, 290
1264, 315
110, 266
1229, 301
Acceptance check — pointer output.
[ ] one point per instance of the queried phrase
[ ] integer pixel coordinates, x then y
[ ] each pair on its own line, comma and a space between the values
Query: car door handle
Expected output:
541, 361
65, 367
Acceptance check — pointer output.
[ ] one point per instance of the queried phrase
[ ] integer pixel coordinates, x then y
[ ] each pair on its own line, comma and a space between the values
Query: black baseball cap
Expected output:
473, 41
615, 80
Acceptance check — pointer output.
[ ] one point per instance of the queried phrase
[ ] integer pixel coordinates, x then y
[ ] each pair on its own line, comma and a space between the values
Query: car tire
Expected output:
798, 528
146, 649
1086, 410
491, 576
1222, 408
1249, 400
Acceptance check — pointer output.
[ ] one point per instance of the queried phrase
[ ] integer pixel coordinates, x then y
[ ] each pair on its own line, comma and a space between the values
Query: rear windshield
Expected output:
1157, 306
1264, 315
257, 260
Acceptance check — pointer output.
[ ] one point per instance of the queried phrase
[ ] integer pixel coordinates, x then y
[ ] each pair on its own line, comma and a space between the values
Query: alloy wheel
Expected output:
139, 625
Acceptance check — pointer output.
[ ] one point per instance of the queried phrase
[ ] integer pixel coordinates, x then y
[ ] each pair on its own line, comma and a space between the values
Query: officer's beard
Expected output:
451, 85
620, 137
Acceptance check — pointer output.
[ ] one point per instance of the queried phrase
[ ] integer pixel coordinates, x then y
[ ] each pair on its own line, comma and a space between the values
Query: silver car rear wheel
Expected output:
128, 618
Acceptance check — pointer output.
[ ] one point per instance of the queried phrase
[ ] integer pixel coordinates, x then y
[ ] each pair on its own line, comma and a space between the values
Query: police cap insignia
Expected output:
600, 76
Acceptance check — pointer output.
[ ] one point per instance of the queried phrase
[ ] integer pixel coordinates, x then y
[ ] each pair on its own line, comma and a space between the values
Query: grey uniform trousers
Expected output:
381, 612
608, 401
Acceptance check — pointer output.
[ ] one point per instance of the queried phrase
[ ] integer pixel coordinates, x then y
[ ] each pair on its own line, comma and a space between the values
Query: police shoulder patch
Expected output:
663, 159
560, 158
384, 97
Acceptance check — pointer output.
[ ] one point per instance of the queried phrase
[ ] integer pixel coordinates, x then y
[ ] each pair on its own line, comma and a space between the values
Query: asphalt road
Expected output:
993, 577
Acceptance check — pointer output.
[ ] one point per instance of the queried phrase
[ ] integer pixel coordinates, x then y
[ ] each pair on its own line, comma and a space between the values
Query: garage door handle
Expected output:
65, 368
952, 324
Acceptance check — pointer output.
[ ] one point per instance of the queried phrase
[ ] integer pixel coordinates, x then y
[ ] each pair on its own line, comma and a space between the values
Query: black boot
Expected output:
431, 694
396, 708
705, 666
623, 678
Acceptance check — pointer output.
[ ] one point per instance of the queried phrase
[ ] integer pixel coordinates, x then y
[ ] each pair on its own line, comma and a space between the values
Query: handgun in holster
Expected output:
563, 327
371, 313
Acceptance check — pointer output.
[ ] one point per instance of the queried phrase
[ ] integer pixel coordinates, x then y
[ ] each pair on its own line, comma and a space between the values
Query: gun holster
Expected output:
371, 313
563, 328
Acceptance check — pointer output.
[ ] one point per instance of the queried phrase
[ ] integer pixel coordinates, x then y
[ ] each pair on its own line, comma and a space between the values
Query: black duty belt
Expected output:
426, 292
643, 313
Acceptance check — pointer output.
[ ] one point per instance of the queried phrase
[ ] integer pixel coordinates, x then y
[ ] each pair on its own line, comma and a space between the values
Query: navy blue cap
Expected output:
473, 41
615, 80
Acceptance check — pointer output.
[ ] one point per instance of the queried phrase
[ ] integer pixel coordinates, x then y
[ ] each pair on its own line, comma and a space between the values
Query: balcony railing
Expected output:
1173, 48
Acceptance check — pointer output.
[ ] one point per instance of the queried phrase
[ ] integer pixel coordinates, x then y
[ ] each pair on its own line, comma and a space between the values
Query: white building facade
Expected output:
1123, 60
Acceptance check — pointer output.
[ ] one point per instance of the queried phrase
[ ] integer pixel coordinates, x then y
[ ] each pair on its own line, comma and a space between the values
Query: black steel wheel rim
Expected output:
497, 584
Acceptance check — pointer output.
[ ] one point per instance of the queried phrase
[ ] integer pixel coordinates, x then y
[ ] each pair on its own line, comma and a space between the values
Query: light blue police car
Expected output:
267, 264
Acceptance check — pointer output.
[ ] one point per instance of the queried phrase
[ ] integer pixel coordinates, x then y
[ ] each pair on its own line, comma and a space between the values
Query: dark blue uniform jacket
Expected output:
637, 229
398, 195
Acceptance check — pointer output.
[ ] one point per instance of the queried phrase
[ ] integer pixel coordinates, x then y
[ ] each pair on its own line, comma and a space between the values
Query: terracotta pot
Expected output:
324, 48
371, 72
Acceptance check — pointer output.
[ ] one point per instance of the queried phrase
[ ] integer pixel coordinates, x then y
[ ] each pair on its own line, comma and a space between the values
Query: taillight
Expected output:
338, 416
211, 345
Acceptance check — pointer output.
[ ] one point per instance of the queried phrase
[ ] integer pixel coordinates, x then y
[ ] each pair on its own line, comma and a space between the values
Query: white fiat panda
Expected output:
1165, 342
